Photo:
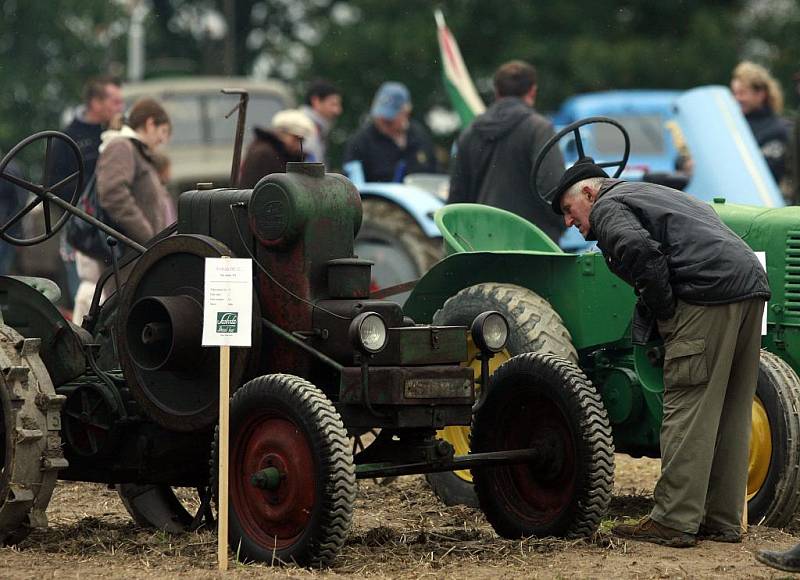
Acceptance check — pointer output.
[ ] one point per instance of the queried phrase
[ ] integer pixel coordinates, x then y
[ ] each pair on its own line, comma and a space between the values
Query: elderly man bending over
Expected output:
703, 289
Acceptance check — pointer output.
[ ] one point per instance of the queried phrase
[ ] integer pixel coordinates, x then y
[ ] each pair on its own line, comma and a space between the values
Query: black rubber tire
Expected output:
776, 501
542, 399
331, 472
385, 223
534, 326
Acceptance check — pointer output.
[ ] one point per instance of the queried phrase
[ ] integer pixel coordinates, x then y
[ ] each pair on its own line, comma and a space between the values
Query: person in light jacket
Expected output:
128, 187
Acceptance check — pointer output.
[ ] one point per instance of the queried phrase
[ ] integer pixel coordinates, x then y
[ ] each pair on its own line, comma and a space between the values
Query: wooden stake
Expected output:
744, 513
222, 492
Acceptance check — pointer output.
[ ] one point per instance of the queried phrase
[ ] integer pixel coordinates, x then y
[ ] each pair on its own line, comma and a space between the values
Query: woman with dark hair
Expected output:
128, 187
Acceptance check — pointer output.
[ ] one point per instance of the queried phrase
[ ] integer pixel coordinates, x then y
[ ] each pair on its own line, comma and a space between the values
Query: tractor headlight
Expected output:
368, 333
490, 331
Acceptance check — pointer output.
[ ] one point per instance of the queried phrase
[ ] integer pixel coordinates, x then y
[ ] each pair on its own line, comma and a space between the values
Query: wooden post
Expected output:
222, 492
744, 512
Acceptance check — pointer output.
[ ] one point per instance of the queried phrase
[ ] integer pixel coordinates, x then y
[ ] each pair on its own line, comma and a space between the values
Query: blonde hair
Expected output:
758, 78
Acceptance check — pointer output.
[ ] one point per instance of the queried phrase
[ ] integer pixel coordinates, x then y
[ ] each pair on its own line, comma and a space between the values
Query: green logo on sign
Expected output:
227, 322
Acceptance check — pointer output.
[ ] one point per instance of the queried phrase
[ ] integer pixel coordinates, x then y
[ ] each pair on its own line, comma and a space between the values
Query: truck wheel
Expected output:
31, 453
395, 242
773, 479
542, 401
533, 327
292, 480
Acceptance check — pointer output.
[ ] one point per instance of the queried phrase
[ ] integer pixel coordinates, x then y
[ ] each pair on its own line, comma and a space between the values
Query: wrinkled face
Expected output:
749, 99
576, 205
329, 107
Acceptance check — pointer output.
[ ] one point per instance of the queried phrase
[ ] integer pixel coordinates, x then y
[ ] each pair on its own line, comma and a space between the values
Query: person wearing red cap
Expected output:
703, 290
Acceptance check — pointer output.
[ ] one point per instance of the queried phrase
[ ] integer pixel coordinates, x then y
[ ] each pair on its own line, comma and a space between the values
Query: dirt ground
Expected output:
400, 531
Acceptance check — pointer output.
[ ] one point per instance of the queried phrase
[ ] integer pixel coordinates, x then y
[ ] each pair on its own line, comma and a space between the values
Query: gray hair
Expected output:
575, 188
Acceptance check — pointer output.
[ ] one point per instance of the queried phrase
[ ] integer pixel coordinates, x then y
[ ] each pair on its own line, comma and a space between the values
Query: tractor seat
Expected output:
472, 227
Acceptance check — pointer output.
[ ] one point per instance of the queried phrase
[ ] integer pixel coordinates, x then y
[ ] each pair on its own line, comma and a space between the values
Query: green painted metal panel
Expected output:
595, 305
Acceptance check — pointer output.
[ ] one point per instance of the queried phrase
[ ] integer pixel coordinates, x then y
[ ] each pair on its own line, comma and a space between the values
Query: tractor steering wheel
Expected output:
575, 128
44, 190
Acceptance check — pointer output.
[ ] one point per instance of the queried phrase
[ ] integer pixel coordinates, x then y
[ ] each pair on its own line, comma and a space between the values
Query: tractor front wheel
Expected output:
534, 326
773, 479
291, 475
539, 401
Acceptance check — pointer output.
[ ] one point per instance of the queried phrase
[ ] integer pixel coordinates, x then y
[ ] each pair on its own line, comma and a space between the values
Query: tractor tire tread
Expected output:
595, 438
786, 495
425, 251
328, 437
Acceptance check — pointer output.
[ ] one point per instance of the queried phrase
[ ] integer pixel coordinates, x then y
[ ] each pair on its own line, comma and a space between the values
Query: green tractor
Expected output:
571, 305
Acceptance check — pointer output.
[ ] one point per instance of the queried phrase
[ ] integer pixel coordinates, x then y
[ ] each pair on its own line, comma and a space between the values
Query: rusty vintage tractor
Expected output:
131, 397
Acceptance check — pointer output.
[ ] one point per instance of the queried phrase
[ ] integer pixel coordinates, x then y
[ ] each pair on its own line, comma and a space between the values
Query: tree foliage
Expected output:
47, 50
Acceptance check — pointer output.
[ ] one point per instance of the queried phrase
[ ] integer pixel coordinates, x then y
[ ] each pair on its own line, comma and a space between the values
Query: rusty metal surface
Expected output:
387, 385
30, 426
244, 97
438, 388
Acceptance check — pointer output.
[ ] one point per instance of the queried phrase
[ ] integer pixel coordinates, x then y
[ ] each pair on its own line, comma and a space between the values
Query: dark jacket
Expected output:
87, 137
494, 160
772, 135
12, 199
266, 154
383, 160
669, 245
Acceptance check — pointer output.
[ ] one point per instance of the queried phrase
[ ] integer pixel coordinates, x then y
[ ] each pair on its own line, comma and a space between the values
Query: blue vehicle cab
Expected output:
727, 162
643, 113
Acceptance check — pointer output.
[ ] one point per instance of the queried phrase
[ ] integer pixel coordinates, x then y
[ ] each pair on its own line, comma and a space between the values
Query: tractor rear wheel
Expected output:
292, 480
395, 242
773, 480
31, 453
544, 402
534, 326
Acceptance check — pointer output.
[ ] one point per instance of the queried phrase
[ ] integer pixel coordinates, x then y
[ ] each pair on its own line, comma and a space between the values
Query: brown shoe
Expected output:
648, 530
729, 536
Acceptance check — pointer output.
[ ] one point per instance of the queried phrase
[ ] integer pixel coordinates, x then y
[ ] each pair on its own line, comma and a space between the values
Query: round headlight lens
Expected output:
490, 331
369, 331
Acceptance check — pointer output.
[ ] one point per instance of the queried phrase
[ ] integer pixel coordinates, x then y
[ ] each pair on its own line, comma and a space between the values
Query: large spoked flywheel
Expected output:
542, 402
159, 330
31, 453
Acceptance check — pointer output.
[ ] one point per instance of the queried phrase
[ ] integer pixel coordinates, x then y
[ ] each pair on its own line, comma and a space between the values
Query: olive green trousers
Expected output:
710, 374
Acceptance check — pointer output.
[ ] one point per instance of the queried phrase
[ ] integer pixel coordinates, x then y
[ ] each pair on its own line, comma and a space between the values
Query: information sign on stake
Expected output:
227, 322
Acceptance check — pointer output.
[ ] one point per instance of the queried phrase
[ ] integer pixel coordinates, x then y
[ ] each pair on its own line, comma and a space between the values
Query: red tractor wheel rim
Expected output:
274, 518
547, 489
